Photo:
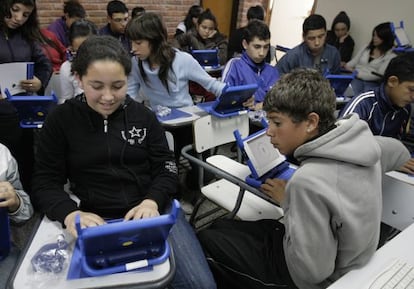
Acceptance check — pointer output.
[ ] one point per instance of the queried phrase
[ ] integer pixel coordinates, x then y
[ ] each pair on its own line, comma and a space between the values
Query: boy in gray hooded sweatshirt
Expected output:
334, 195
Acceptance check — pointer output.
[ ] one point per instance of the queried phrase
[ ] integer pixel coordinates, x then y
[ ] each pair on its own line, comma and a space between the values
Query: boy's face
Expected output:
257, 49
400, 93
315, 40
286, 135
118, 22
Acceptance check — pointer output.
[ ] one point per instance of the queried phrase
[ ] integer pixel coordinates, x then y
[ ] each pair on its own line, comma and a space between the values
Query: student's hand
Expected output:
275, 188
249, 103
408, 167
342, 38
147, 209
86, 220
31, 85
8, 197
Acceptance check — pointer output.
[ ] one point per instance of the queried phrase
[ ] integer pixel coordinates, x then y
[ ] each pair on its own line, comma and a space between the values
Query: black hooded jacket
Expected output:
112, 164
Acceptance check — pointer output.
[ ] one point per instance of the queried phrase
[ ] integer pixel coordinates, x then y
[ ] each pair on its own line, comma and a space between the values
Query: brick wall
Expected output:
172, 11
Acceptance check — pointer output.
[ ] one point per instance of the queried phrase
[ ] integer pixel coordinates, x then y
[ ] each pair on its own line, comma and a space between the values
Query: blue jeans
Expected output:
192, 270
359, 86
7, 265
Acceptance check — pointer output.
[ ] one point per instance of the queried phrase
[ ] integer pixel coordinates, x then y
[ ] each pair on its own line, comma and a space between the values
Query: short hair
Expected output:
256, 28
255, 12
116, 6
74, 9
402, 67
137, 11
207, 15
82, 28
313, 22
300, 92
100, 47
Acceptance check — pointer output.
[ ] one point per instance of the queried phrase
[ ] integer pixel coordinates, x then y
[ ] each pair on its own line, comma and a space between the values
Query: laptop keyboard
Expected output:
399, 275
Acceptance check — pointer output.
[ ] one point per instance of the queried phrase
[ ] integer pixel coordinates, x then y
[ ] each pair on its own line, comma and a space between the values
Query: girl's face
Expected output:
141, 49
286, 135
340, 29
206, 28
104, 86
19, 15
376, 41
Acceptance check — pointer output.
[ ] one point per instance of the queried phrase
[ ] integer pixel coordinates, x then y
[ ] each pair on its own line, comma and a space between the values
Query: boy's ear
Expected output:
313, 122
393, 81
244, 44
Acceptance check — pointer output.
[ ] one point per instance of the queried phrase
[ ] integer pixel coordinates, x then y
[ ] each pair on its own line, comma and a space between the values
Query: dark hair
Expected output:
402, 67
30, 29
342, 17
193, 12
255, 12
384, 32
150, 27
256, 28
301, 92
137, 11
313, 22
100, 47
207, 15
74, 9
116, 6
82, 28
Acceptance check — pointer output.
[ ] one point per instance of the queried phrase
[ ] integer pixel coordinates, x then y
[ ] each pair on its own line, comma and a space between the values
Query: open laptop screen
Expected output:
261, 153
208, 58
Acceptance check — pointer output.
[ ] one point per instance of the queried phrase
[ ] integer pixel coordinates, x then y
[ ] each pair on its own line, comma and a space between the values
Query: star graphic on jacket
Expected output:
134, 132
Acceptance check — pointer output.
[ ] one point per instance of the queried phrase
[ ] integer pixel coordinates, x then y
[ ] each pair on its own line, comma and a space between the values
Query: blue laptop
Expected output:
230, 103
208, 58
340, 82
263, 160
32, 109
120, 246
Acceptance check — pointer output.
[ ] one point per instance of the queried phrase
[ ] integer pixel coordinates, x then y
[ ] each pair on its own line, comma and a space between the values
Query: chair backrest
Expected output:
401, 37
210, 131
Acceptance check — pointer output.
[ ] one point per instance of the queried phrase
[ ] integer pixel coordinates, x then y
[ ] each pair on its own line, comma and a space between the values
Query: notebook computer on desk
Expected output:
32, 109
401, 38
208, 58
264, 160
230, 103
120, 246
340, 83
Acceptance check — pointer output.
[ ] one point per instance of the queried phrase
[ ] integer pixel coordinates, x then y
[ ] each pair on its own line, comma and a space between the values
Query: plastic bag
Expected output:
52, 257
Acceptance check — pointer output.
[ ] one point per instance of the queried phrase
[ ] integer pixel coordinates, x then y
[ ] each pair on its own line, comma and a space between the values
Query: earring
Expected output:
308, 130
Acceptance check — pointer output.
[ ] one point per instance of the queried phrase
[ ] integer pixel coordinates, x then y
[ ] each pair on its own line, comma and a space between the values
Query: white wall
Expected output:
366, 14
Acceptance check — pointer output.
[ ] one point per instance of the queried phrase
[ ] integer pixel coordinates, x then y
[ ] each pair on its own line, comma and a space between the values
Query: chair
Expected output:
401, 38
230, 191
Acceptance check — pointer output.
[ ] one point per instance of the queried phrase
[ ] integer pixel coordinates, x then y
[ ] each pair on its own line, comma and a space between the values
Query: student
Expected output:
313, 52
137, 11
78, 32
251, 66
160, 71
114, 152
372, 60
339, 37
235, 47
19, 42
331, 198
117, 17
52, 48
387, 108
72, 11
17, 202
190, 20
205, 36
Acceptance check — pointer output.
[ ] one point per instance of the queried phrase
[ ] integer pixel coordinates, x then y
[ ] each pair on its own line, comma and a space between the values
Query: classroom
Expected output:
206, 144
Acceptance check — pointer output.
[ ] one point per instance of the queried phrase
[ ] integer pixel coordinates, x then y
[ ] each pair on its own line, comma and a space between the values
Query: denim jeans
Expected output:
359, 86
192, 270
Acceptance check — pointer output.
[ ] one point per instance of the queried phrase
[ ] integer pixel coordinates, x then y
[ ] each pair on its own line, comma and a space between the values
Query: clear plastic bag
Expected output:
52, 257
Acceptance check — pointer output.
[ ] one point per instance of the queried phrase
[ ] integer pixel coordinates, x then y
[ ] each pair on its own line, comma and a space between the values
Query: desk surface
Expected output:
195, 112
47, 232
399, 247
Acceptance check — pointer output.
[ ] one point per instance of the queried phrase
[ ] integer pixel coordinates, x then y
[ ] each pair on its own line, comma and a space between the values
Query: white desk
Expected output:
399, 247
47, 232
